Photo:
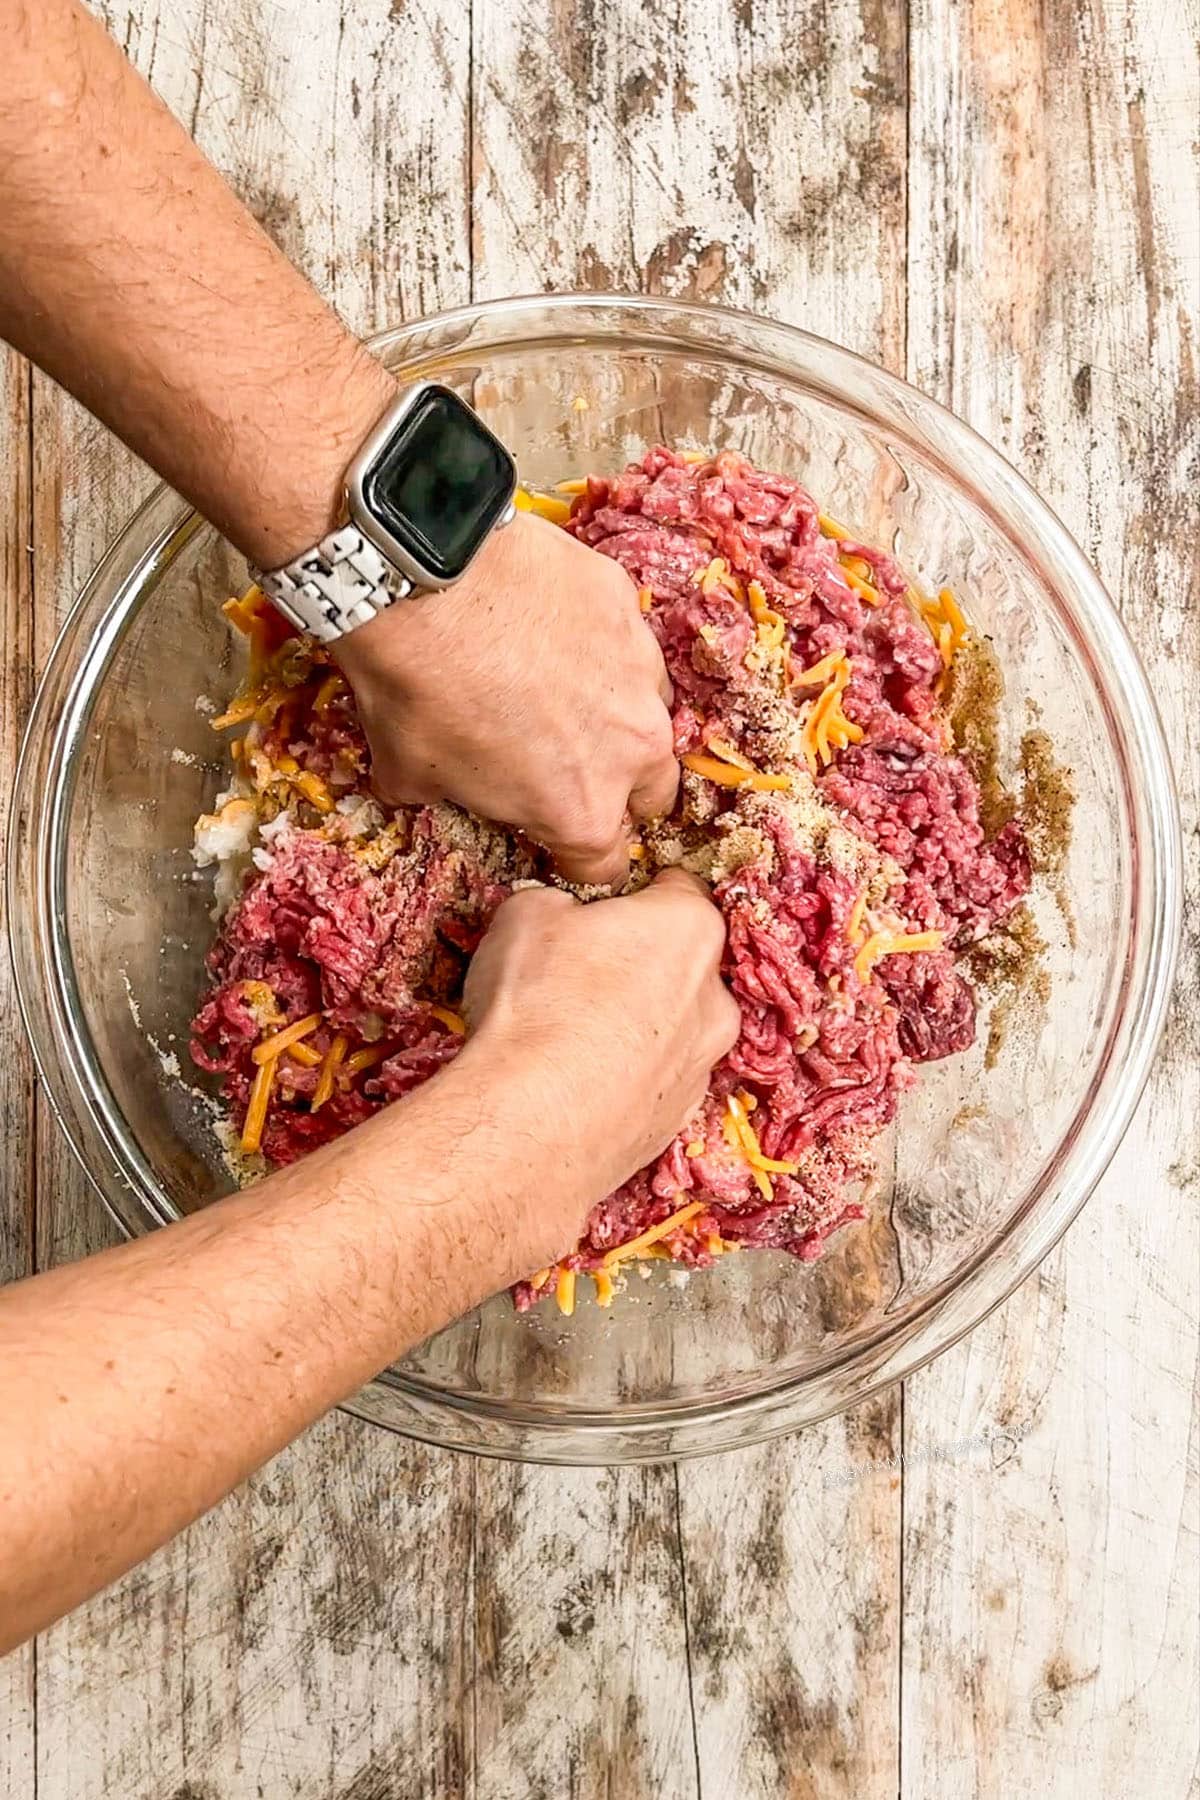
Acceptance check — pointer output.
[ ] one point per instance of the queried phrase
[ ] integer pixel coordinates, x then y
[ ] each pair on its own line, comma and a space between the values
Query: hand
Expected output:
531, 692
618, 1011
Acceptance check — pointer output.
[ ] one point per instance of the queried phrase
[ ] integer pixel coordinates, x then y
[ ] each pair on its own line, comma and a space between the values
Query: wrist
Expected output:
403, 643
322, 422
520, 1177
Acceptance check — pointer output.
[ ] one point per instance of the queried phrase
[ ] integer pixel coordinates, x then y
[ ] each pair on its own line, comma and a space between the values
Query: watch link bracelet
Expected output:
426, 490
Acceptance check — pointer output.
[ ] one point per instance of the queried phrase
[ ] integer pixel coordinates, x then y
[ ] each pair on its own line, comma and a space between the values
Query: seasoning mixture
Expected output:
822, 797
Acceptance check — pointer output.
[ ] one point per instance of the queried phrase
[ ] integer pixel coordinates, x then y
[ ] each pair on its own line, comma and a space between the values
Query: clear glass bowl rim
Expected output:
112, 1162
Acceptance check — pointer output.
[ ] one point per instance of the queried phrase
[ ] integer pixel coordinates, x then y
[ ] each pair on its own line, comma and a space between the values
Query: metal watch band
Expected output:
341, 583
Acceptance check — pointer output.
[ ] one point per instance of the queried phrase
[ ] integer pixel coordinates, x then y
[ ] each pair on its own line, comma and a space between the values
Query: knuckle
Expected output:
619, 579
594, 828
535, 902
654, 733
709, 925
718, 934
587, 840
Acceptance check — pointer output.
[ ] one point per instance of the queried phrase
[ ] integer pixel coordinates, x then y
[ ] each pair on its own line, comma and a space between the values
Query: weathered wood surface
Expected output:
1001, 200
17, 1693
1054, 252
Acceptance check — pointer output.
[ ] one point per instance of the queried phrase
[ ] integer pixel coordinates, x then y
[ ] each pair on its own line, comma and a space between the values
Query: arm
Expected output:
131, 273
138, 1387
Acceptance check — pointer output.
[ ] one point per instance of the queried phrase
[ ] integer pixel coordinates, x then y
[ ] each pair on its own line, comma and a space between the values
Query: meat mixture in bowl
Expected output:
822, 797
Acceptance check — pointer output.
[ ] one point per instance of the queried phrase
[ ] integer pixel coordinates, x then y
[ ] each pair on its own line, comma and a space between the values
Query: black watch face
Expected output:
440, 483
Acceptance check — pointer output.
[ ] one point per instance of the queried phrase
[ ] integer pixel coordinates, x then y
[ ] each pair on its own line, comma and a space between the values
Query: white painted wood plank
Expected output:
1050, 1602
581, 1679
312, 1636
306, 1640
582, 1683
17, 1674
745, 156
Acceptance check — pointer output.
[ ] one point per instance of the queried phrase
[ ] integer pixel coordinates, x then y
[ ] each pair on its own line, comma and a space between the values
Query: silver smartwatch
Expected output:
426, 490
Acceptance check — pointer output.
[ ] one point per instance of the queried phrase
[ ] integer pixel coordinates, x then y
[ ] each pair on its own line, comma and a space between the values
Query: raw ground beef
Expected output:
871, 839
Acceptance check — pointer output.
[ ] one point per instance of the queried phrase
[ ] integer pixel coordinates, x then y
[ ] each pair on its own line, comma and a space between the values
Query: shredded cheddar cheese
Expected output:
953, 633
889, 943
546, 506
238, 712
820, 672
264, 1007
826, 727
695, 456
327, 693
729, 753
741, 1135
576, 485
564, 1292
724, 774
716, 575
605, 1288
645, 599
274, 1046
944, 619
770, 626
256, 1111
368, 1056
305, 1055
760, 609
830, 528
863, 588
240, 615
728, 775
648, 1239
451, 1020
772, 1166
274, 701
854, 922
695, 1148
314, 791
334, 1057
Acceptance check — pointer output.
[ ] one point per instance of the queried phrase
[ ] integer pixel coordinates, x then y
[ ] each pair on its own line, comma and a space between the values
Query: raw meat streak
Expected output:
883, 840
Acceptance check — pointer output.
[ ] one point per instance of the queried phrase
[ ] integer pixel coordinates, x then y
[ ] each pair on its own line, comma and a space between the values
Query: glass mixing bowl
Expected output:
987, 1167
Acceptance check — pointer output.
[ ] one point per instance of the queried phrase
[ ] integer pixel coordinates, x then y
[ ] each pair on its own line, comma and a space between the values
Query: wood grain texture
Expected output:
581, 1674
311, 1637
1050, 1641
731, 155
17, 1674
369, 1619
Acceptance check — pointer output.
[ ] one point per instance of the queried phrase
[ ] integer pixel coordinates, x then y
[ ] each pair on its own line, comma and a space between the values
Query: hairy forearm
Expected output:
138, 1387
131, 273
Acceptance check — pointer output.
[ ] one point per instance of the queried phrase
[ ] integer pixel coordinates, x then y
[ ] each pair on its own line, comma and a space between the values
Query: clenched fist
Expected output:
617, 1012
531, 693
